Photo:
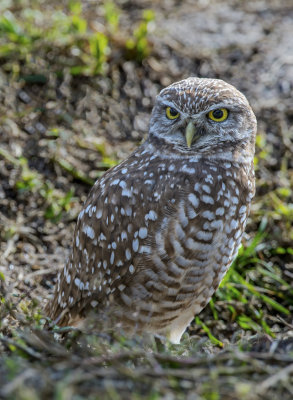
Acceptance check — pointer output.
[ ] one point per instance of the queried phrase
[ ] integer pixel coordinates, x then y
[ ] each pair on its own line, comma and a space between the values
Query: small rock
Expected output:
24, 97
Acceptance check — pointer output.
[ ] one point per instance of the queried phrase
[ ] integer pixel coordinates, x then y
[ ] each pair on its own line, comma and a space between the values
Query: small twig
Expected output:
43, 272
284, 322
66, 329
73, 171
281, 375
17, 382
25, 349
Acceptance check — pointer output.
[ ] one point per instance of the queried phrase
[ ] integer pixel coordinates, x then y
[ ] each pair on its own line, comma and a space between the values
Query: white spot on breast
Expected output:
193, 245
182, 217
237, 234
129, 228
209, 179
242, 210
208, 214
77, 241
94, 303
191, 213
149, 182
157, 196
233, 224
99, 213
105, 264
78, 283
225, 259
124, 170
81, 215
193, 200
207, 199
127, 254
102, 237
135, 244
88, 230
152, 215
131, 268
115, 182
206, 188
143, 232
203, 235
179, 231
112, 217
68, 278
123, 184
187, 169
249, 197
197, 187
145, 249
220, 211
112, 258
231, 243
128, 211
126, 193
217, 224
235, 200
121, 287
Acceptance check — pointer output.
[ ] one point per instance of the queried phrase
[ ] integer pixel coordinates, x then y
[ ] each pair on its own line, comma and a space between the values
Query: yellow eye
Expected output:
218, 115
171, 113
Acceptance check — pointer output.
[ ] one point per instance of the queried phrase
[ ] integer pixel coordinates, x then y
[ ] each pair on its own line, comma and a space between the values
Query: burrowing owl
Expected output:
159, 231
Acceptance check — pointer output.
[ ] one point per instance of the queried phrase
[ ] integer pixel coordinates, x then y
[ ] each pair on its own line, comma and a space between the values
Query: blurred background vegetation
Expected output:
77, 84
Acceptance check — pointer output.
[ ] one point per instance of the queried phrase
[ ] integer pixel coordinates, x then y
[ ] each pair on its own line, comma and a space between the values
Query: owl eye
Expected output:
171, 113
218, 115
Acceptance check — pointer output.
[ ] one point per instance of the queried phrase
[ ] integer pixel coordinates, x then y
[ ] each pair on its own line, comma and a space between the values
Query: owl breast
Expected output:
193, 242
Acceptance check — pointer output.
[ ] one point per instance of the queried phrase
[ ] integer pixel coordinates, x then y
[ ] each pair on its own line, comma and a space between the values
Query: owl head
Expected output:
208, 116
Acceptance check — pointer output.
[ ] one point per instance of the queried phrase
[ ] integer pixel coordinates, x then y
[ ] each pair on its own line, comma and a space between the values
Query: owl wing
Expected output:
112, 232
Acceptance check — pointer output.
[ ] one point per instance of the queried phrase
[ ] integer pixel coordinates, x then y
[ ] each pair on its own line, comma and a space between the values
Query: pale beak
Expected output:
190, 133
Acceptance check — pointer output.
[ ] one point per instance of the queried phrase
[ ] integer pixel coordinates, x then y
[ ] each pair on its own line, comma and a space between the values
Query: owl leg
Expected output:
178, 327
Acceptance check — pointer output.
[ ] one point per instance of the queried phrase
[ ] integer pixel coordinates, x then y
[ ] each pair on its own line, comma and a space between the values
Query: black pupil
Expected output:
218, 114
173, 112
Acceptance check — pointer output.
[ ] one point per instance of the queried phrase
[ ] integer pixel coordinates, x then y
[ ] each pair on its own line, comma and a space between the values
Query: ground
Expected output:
77, 84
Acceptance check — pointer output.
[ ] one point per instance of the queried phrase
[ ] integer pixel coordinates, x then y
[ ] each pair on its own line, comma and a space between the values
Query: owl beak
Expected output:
190, 133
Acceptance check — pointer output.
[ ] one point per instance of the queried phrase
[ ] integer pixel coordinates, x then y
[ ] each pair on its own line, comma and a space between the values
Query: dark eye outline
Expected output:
225, 114
172, 113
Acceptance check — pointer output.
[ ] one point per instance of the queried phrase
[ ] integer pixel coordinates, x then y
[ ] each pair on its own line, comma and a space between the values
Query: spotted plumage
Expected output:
159, 231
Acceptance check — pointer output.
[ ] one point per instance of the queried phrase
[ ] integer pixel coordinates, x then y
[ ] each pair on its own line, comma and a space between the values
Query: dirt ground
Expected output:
59, 133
